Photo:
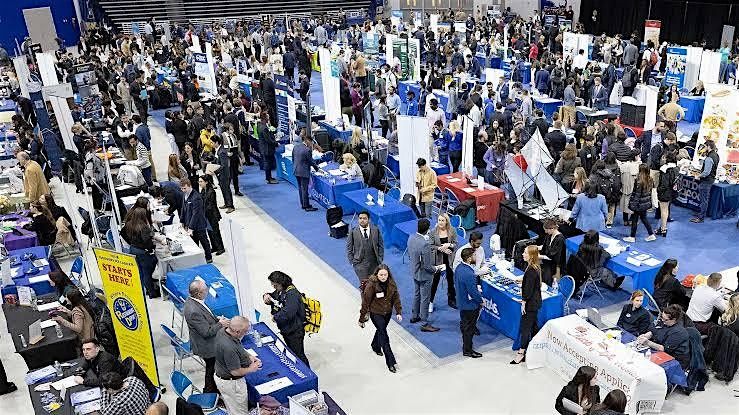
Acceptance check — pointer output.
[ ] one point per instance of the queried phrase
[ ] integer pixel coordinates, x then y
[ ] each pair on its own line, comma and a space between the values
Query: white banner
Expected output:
240, 279
211, 68
200, 67
567, 343
468, 143
330, 82
710, 67
413, 143
389, 48
195, 44
22, 73
720, 123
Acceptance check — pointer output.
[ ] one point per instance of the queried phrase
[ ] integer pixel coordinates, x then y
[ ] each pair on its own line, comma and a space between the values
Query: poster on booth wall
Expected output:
201, 70
414, 59
651, 31
124, 296
720, 123
565, 25
550, 20
284, 90
371, 42
400, 52
677, 62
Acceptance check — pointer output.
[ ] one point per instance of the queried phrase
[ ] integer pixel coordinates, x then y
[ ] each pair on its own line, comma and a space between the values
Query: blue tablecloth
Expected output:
223, 304
673, 370
285, 168
275, 364
393, 163
482, 59
401, 232
693, 108
7, 105
329, 191
495, 62
501, 308
21, 278
405, 86
385, 217
724, 199
14, 242
548, 105
334, 133
642, 276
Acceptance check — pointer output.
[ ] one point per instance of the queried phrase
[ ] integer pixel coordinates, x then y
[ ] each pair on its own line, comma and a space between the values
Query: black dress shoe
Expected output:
311, 209
239, 194
220, 252
415, 320
378, 352
514, 362
12, 388
428, 328
392, 369
473, 354
453, 305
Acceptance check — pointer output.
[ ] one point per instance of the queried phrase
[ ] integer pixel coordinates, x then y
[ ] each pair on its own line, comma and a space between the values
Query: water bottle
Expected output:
257, 338
555, 286
34, 301
23, 340
648, 354
59, 333
58, 368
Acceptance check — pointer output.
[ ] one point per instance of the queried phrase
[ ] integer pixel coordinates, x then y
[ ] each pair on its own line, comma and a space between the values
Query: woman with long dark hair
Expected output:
62, 284
42, 222
288, 312
210, 206
190, 161
667, 289
138, 232
613, 404
640, 202
81, 316
379, 298
57, 212
581, 390
665, 190
594, 257
530, 300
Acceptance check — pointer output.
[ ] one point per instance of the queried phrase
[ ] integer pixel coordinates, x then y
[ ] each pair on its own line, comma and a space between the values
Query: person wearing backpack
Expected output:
667, 189
609, 185
288, 312
639, 202
630, 79
379, 297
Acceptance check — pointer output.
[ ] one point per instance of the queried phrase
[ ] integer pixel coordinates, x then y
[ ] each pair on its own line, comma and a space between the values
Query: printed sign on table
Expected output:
124, 295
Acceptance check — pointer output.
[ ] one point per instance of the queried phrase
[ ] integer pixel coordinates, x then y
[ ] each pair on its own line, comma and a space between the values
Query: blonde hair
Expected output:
173, 166
349, 159
732, 311
356, 136
449, 228
454, 127
533, 261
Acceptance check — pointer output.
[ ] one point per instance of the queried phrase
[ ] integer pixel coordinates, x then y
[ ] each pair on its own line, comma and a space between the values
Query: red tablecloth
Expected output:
486, 201
637, 130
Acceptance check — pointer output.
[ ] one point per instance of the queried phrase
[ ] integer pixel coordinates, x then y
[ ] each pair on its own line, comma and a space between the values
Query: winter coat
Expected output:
665, 190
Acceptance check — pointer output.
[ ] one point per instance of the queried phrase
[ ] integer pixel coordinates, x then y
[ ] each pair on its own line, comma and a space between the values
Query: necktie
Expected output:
366, 236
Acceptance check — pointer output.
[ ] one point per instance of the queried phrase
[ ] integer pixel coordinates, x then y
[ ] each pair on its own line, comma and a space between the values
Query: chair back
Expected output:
109, 237
690, 150
652, 305
75, 273
629, 132
156, 395
461, 233
180, 383
567, 289
581, 118
410, 201
452, 200
103, 223
394, 193
173, 339
455, 221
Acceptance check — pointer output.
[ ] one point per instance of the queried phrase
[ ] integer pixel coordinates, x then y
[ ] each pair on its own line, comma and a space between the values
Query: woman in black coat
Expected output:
634, 318
530, 301
581, 390
190, 160
288, 312
667, 289
639, 202
210, 207
666, 191
267, 146
42, 222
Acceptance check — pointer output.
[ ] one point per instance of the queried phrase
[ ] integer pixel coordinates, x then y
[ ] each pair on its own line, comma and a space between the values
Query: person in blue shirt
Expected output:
469, 300
439, 136
410, 106
473, 67
453, 138
590, 210
541, 80
488, 106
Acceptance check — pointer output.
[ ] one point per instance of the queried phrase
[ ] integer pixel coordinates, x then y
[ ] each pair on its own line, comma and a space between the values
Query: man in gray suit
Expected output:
203, 326
302, 163
422, 261
631, 53
364, 247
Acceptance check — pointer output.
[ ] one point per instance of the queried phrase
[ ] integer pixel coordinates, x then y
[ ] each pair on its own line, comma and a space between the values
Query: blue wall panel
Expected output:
13, 25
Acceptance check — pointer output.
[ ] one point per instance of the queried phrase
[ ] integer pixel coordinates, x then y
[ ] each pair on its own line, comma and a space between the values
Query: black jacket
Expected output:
671, 292
179, 131
636, 322
569, 391
103, 363
289, 313
210, 206
193, 214
665, 191
620, 150
531, 290
640, 199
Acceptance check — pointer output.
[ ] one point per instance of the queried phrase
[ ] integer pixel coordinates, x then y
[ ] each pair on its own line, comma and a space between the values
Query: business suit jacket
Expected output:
600, 99
193, 214
203, 326
590, 214
302, 160
422, 258
354, 252
436, 242
34, 181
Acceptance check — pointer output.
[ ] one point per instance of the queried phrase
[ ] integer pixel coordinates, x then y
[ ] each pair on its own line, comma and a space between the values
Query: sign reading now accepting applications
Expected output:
124, 296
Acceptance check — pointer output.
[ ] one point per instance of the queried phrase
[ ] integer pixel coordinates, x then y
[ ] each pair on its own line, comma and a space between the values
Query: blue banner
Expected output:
550, 20
283, 90
677, 61
370, 42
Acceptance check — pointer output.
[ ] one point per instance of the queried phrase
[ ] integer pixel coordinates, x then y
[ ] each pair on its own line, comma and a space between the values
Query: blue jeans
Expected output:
704, 191
146, 172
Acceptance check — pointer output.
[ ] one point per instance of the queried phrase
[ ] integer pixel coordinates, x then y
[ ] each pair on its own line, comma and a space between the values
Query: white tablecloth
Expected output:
192, 256
566, 343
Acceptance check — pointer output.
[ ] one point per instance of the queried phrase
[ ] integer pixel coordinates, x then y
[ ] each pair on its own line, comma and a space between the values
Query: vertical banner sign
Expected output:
400, 51
201, 70
124, 295
651, 31
550, 20
283, 91
565, 25
677, 62
371, 40
720, 123
414, 59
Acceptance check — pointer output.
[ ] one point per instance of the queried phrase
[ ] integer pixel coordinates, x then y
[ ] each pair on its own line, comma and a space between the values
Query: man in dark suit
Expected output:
302, 163
468, 300
422, 267
304, 86
171, 194
193, 218
598, 95
224, 174
364, 248
269, 97
203, 326
556, 140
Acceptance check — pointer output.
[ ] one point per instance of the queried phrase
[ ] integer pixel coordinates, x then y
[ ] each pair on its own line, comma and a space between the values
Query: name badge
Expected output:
589, 156
628, 315
380, 295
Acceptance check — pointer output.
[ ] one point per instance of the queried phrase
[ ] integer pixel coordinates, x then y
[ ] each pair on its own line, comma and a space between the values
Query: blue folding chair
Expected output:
393, 193
581, 118
75, 273
567, 289
451, 201
109, 238
461, 233
455, 221
629, 132
182, 350
181, 385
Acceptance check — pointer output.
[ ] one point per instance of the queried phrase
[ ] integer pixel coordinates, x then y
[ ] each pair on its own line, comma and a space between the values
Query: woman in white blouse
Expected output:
351, 167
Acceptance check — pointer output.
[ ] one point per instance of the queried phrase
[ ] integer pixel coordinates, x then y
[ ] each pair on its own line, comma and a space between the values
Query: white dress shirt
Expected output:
703, 301
479, 266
